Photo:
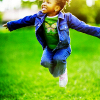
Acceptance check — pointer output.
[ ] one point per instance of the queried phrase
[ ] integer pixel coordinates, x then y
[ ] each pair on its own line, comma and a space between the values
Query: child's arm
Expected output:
26, 21
78, 25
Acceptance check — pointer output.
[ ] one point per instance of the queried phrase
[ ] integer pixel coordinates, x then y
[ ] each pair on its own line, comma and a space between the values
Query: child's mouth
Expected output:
43, 9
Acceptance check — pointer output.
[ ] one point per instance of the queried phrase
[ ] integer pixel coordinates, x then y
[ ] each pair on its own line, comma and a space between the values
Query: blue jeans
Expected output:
55, 60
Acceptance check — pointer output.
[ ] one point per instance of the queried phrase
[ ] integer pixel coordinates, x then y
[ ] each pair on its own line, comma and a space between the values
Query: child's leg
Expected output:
59, 60
46, 59
60, 69
56, 62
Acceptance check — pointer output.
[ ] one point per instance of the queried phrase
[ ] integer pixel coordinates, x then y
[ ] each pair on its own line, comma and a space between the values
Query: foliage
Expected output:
77, 10
29, 4
97, 18
1, 17
23, 78
82, 11
97, 11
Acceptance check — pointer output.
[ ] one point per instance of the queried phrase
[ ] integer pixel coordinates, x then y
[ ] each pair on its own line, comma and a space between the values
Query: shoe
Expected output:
63, 79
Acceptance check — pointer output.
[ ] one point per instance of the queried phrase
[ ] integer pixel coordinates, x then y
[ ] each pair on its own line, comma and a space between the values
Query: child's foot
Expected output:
63, 79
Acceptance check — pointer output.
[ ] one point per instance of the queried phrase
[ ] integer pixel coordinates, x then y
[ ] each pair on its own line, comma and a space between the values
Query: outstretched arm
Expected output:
78, 25
26, 21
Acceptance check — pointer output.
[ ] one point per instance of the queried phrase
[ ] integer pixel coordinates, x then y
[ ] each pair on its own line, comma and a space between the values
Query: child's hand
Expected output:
5, 25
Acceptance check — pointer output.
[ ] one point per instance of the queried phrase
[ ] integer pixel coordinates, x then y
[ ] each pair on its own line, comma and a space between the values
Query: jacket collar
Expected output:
42, 15
61, 15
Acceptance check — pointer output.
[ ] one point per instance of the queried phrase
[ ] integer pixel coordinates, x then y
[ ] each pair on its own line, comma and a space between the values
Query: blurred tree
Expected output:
1, 17
97, 18
97, 11
81, 10
29, 3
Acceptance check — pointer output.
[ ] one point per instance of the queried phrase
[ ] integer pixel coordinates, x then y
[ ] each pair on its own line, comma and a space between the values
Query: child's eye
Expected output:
48, 2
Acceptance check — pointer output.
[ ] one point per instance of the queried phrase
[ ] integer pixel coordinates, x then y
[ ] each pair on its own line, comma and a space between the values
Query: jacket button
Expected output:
60, 41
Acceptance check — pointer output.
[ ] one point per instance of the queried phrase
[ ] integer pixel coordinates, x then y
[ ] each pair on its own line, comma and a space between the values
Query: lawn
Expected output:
23, 78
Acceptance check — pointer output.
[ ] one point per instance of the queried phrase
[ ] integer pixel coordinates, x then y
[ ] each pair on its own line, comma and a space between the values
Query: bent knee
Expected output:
59, 60
46, 63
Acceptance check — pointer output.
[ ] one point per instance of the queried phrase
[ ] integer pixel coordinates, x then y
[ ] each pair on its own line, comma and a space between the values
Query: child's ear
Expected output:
57, 8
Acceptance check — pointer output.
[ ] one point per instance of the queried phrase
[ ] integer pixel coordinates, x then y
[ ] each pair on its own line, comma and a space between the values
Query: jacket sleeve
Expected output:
26, 21
78, 25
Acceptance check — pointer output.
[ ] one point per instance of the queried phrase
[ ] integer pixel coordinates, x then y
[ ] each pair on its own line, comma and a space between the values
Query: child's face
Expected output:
49, 7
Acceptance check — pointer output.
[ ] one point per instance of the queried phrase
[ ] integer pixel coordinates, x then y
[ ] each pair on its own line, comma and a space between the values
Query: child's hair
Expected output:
62, 3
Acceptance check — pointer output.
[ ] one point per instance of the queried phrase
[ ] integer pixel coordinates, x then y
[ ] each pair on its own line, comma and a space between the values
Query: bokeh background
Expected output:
86, 10
21, 75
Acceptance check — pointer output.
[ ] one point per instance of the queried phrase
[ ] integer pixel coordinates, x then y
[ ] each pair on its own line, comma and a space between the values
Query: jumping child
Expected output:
52, 32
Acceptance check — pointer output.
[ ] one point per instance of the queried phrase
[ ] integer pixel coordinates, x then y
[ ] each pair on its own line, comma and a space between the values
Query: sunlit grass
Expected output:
23, 78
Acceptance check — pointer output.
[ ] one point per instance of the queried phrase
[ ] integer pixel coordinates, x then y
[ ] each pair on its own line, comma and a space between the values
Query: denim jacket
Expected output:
65, 21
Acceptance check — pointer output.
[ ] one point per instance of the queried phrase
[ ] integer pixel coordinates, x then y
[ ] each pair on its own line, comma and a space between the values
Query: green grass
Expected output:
23, 78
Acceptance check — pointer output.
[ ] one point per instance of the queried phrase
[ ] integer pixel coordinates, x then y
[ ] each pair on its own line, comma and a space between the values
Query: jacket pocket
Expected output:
63, 26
